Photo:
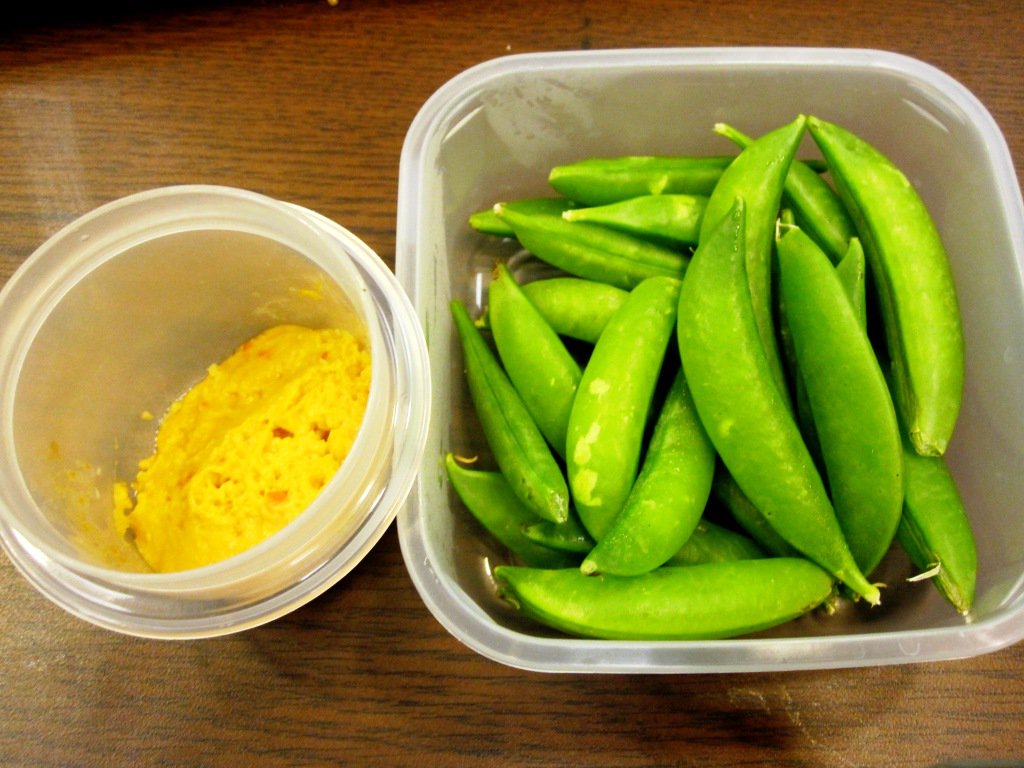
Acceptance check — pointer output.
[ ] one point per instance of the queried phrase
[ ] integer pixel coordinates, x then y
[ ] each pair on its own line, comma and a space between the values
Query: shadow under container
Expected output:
493, 133
116, 317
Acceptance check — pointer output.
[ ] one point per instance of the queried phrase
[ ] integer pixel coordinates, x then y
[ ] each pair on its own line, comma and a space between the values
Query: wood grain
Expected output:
310, 102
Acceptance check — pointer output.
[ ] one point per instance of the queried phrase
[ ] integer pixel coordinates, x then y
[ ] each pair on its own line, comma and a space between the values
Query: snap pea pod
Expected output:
697, 602
573, 306
817, 208
742, 408
592, 251
854, 418
798, 392
535, 359
669, 496
489, 498
852, 274
711, 543
758, 175
749, 517
599, 180
519, 448
914, 281
935, 530
569, 536
671, 219
488, 222
609, 414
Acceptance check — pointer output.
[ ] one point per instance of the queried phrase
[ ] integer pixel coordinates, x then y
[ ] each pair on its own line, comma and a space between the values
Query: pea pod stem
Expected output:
742, 408
522, 454
914, 281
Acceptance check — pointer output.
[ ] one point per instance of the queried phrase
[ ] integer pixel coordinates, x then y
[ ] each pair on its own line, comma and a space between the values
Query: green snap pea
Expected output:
758, 175
569, 536
711, 543
669, 496
914, 281
489, 498
743, 410
574, 307
749, 517
697, 602
609, 414
854, 418
671, 219
534, 357
853, 275
599, 181
523, 455
798, 392
935, 530
817, 208
489, 223
592, 251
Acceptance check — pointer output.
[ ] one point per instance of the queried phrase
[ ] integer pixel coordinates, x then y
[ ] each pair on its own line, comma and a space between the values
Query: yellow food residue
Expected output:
248, 448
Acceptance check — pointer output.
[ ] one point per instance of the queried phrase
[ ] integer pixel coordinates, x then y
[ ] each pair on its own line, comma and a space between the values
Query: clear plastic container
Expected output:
494, 131
119, 314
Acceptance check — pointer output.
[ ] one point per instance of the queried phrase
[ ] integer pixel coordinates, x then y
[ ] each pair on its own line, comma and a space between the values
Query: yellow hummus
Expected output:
248, 448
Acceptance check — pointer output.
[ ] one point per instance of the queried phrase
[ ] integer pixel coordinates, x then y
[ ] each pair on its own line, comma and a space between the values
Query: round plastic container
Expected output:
116, 316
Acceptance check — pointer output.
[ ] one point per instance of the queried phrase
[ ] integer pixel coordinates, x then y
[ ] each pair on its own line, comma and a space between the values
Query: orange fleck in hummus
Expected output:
248, 448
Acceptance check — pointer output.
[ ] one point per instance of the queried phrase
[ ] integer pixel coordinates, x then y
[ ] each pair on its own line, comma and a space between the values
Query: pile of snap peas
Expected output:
730, 400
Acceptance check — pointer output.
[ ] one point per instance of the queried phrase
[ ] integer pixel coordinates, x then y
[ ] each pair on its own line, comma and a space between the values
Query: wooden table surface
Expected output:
309, 102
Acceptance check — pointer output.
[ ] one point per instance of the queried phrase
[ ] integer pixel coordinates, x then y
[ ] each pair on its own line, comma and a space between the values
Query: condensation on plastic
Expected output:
495, 130
120, 313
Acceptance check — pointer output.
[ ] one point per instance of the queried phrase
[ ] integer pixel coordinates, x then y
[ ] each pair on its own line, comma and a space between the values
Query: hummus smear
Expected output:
248, 448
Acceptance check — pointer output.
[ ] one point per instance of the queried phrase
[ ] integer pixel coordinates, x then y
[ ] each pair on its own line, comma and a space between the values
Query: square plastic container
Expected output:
493, 132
